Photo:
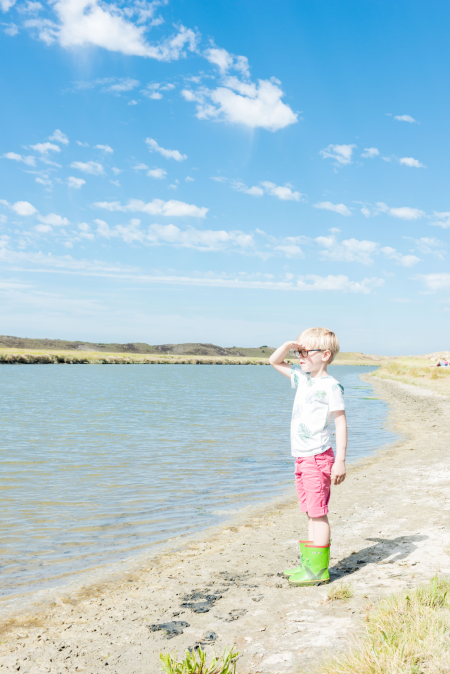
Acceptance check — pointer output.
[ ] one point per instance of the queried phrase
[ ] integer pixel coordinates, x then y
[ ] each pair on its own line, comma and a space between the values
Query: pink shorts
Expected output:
313, 481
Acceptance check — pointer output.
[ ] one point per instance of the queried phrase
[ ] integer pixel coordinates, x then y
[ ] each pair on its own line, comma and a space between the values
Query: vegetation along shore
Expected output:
224, 588
22, 350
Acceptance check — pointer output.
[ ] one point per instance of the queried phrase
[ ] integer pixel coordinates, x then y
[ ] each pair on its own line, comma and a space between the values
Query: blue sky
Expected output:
227, 172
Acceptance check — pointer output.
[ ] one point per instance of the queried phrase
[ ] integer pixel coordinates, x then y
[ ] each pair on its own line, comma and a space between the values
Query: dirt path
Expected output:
390, 524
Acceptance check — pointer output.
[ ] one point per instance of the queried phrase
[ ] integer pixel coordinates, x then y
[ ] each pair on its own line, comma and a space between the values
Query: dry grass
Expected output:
342, 591
417, 371
405, 634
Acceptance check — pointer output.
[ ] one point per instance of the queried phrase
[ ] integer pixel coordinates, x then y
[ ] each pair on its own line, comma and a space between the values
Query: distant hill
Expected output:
191, 349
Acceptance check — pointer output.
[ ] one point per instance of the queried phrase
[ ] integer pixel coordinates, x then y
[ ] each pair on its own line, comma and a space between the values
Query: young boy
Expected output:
319, 397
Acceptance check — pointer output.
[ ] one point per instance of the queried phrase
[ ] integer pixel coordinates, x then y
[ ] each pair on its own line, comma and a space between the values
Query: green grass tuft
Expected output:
342, 591
222, 664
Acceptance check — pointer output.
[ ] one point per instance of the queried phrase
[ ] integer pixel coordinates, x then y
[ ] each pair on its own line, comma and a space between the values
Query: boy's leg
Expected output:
310, 528
321, 530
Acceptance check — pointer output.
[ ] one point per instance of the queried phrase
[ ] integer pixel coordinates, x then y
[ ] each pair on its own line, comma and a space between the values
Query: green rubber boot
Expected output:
297, 569
315, 568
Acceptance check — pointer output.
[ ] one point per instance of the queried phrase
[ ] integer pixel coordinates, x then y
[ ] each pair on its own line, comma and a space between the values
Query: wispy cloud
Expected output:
91, 167
75, 182
341, 154
342, 209
59, 136
283, 192
403, 260
45, 148
350, 250
370, 152
405, 118
168, 154
170, 208
105, 148
29, 160
410, 161
158, 173
441, 220
435, 282
402, 212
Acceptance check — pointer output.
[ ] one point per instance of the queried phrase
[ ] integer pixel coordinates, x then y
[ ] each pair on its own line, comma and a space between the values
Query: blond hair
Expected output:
320, 338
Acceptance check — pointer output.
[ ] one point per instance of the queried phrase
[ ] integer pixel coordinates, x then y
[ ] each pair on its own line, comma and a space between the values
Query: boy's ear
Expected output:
326, 355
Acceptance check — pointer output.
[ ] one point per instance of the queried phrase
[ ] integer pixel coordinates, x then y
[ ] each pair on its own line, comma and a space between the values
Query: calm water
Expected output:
100, 462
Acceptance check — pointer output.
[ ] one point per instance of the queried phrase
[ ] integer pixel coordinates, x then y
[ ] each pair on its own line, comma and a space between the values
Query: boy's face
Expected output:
314, 360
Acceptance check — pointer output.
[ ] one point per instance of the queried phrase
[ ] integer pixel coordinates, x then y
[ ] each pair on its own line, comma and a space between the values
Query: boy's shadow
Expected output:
383, 548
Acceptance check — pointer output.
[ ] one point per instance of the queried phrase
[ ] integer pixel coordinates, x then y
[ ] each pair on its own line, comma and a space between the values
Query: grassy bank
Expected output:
417, 371
36, 356
405, 634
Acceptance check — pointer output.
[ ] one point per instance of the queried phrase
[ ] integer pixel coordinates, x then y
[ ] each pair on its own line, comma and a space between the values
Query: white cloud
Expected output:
188, 179
366, 212
405, 118
43, 229
429, 246
132, 102
140, 167
342, 154
28, 160
370, 152
87, 22
443, 220
5, 5
78, 142
226, 61
154, 90
168, 154
290, 250
45, 148
105, 148
435, 282
339, 283
125, 84
255, 191
284, 193
350, 250
205, 240
76, 183
404, 260
53, 219
157, 173
10, 29
170, 208
91, 167
409, 161
404, 212
342, 209
252, 105
219, 57
116, 170
23, 208
59, 137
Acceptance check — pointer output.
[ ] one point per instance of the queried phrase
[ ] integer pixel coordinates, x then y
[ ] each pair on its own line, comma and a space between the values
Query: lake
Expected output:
102, 462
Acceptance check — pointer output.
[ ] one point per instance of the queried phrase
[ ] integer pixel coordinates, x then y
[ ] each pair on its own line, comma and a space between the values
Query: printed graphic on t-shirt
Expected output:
314, 404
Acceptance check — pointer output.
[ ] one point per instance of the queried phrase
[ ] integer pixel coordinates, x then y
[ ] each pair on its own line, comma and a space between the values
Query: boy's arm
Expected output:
338, 471
278, 356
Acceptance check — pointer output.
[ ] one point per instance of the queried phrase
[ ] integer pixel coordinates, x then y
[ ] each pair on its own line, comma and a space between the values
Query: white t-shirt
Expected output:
315, 401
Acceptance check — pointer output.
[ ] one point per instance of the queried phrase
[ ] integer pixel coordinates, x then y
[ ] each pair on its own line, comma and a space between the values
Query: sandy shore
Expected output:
390, 523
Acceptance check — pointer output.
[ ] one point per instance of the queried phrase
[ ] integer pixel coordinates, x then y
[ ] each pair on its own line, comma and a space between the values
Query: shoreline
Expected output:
275, 627
27, 357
